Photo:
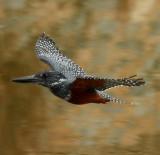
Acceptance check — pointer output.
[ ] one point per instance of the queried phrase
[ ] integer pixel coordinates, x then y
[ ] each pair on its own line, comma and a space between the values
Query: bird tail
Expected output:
128, 82
106, 83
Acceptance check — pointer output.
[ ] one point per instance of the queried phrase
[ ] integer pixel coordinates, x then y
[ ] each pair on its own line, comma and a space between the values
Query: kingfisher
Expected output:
69, 81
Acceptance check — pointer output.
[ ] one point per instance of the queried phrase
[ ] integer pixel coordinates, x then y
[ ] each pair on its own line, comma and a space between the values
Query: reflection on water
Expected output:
107, 38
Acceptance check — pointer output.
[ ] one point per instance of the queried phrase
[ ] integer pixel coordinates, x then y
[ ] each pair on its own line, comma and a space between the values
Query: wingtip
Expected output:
46, 37
43, 34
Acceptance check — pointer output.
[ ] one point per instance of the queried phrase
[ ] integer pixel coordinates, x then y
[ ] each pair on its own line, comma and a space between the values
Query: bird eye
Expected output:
44, 75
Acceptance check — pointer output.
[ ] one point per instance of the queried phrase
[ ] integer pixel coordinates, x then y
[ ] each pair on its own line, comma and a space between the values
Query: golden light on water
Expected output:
107, 38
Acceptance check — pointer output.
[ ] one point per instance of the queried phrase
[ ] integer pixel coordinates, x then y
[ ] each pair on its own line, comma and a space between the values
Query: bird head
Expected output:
47, 79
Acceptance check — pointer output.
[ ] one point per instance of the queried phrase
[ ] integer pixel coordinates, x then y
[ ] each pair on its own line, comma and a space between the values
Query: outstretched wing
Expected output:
48, 52
91, 82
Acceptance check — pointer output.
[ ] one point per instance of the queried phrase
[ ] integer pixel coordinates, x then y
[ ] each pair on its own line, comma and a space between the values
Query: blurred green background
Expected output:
114, 38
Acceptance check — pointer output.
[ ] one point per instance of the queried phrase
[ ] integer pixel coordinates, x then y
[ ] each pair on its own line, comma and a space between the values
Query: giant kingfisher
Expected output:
69, 81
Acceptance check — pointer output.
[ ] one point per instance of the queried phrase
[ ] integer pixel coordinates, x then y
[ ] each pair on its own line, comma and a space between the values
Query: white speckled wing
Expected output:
111, 98
50, 54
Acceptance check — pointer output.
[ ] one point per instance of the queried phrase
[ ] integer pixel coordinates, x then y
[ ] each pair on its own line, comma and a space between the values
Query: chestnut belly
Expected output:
84, 97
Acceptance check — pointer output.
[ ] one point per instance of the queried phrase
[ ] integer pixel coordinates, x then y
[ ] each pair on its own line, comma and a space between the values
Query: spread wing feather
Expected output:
48, 52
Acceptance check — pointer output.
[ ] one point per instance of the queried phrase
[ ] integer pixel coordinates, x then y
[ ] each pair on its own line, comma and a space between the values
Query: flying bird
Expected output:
69, 81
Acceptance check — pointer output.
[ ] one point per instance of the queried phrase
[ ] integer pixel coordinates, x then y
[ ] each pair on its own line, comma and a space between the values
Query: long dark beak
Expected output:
27, 79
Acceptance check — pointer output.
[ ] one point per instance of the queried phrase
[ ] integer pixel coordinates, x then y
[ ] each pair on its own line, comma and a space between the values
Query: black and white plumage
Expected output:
69, 81
48, 52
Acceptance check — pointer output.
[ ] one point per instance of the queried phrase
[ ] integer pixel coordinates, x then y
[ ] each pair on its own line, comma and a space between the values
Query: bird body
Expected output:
69, 81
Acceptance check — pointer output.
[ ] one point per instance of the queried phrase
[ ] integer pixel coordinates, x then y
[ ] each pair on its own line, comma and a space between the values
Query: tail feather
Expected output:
105, 83
129, 82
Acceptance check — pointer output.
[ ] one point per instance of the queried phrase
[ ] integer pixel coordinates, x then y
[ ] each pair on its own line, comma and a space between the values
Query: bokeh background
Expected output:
114, 38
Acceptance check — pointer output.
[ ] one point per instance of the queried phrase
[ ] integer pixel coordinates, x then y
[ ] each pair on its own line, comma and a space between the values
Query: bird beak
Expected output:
27, 79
